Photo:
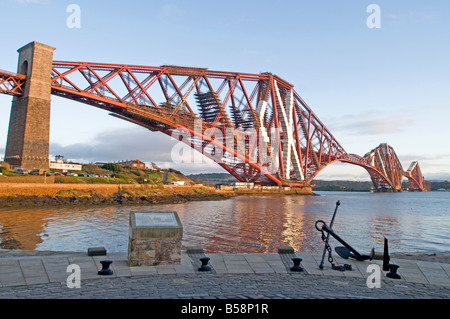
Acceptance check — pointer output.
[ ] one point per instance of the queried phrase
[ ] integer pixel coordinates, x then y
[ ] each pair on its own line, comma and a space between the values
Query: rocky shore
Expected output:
35, 194
14, 201
20, 195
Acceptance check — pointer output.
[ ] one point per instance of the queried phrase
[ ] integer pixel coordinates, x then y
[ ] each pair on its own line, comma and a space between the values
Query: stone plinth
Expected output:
154, 239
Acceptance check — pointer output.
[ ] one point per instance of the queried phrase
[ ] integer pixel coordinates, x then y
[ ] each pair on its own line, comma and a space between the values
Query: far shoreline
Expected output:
13, 195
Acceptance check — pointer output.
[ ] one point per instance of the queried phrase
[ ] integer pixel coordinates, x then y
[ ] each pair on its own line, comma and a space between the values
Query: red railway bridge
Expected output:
255, 126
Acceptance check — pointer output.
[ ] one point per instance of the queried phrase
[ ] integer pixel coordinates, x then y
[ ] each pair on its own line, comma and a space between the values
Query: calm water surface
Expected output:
411, 221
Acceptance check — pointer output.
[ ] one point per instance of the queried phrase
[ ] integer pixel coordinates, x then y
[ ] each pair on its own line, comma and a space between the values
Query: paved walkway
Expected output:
233, 276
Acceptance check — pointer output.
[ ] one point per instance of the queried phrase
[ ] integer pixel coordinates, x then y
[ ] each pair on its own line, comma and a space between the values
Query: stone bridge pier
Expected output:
29, 124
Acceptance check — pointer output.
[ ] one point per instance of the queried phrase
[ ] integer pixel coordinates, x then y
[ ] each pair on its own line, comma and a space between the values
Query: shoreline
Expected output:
34, 194
26, 195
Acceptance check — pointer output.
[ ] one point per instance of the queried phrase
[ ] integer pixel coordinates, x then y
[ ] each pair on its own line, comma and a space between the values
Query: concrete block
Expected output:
96, 251
194, 250
285, 250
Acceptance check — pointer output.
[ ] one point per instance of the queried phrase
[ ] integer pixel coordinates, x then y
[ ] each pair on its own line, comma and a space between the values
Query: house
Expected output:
133, 164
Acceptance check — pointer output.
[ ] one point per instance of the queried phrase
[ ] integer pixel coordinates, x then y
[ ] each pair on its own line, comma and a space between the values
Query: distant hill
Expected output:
320, 185
213, 178
349, 186
443, 185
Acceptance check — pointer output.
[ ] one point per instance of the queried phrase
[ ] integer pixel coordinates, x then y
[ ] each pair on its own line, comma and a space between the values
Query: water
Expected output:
412, 222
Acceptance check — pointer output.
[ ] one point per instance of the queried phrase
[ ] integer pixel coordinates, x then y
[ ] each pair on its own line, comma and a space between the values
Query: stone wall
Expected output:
155, 251
154, 239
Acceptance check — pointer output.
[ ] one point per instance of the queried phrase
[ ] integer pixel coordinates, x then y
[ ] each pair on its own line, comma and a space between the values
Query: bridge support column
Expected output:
29, 124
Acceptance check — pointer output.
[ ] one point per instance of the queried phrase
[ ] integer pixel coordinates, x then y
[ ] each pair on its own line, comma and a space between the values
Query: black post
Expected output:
297, 266
386, 257
204, 266
393, 272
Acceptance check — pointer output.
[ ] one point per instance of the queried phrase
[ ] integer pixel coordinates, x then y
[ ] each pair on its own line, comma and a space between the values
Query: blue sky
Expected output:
368, 86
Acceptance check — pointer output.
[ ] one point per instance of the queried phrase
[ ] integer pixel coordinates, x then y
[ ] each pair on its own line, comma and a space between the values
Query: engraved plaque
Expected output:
155, 220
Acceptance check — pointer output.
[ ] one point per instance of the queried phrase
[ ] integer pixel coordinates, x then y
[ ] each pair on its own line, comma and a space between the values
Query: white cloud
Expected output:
119, 144
371, 122
134, 143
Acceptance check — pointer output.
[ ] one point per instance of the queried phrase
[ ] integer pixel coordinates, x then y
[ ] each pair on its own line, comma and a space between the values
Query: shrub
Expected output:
112, 167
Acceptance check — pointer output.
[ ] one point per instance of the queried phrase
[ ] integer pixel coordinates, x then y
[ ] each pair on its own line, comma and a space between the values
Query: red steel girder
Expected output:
12, 83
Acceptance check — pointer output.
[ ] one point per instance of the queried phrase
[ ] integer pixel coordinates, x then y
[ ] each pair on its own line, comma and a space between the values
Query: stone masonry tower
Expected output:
29, 124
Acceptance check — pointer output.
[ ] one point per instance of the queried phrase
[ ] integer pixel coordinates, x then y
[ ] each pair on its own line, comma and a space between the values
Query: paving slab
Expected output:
33, 271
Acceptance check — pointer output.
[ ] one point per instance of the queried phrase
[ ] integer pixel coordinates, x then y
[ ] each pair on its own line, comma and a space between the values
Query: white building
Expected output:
244, 185
179, 183
60, 165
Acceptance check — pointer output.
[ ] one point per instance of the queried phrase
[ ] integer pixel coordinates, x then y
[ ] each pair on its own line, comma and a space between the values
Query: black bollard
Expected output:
105, 271
393, 272
297, 266
204, 266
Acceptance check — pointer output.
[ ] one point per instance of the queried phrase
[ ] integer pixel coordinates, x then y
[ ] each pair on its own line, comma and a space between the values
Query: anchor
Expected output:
346, 251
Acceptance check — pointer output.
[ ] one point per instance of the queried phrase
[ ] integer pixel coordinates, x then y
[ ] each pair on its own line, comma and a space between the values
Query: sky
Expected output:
370, 78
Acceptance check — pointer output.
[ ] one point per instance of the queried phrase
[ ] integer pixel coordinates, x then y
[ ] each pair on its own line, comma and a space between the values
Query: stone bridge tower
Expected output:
29, 124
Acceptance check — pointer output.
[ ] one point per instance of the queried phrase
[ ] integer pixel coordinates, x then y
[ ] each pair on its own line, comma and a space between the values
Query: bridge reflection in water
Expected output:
244, 224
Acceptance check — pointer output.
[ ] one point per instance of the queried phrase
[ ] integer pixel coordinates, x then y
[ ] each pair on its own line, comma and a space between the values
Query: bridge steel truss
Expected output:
385, 169
415, 178
12, 83
255, 126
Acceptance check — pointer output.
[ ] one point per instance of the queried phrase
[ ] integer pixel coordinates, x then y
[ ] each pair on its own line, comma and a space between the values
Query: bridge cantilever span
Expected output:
416, 179
263, 131
255, 126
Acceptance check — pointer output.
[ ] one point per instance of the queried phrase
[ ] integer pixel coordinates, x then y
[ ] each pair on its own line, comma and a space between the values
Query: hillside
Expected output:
349, 186
118, 174
103, 174
213, 178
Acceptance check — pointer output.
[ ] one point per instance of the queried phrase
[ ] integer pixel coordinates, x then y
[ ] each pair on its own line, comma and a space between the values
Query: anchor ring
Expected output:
317, 222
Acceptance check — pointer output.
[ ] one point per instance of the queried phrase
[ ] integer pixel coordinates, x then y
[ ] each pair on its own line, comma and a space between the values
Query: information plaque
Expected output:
155, 219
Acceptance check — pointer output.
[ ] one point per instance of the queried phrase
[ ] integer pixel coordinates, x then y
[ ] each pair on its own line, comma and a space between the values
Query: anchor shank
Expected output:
328, 235
339, 239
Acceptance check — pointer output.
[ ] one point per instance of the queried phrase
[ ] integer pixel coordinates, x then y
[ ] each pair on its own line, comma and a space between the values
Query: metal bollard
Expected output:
297, 266
204, 266
393, 271
105, 271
